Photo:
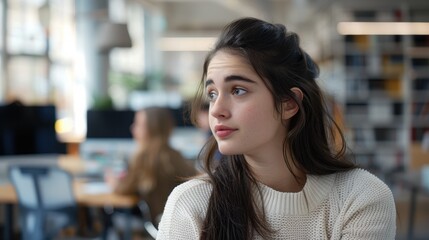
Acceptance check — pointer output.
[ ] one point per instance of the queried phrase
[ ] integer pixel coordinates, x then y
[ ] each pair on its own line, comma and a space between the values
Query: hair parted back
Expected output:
276, 55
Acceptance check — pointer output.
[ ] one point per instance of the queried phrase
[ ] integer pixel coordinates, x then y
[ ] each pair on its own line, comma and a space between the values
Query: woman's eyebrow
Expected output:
238, 78
231, 78
209, 82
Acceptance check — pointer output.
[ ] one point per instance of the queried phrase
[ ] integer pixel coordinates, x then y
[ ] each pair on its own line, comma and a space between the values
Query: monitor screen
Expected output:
28, 130
109, 123
116, 123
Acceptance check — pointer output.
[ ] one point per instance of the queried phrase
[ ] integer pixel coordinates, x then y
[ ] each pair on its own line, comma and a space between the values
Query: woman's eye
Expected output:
238, 91
211, 95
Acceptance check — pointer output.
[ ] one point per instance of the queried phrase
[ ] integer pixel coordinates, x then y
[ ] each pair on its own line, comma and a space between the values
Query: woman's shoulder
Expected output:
362, 184
192, 195
185, 210
193, 186
359, 177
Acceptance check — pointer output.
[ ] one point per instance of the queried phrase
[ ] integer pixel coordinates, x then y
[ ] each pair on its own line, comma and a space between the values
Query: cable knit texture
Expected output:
347, 205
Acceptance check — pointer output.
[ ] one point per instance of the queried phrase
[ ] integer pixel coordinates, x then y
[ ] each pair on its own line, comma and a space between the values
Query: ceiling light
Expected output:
187, 43
383, 28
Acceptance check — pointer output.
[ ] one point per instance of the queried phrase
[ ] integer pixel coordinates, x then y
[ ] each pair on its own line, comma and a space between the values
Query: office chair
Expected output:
46, 200
147, 219
116, 220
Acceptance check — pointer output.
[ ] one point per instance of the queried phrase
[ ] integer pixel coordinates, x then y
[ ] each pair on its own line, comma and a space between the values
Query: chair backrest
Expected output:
46, 200
42, 187
149, 226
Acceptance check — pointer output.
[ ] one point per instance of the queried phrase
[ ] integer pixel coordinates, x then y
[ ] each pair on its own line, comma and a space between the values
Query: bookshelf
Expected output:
381, 82
374, 99
419, 63
386, 100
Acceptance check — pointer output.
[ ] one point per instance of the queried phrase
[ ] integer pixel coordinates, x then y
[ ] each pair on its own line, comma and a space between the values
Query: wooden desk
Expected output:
74, 165
8, 195
419, 157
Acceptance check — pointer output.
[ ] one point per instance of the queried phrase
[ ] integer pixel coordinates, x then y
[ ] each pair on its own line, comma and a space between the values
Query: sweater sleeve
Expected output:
370, 212
181, 217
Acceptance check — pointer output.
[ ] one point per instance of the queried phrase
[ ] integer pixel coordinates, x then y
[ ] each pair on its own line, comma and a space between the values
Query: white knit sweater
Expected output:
348, 205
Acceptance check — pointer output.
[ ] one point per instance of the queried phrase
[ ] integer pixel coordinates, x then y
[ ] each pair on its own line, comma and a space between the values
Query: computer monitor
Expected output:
109, 123
28, 130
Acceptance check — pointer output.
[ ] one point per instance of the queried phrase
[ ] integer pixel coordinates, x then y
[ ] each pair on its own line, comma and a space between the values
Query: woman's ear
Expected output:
290, 106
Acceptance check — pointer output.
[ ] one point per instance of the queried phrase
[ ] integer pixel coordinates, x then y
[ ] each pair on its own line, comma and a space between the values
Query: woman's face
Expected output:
139, 127
242, 116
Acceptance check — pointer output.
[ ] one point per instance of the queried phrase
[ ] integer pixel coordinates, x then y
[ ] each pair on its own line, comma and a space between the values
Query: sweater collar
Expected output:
314, 192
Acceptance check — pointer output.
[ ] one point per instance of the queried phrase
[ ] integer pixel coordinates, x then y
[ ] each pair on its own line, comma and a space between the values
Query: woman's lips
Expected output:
223, 132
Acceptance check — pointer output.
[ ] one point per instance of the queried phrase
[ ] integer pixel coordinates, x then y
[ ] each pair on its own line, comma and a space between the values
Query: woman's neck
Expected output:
275, 174
286, 183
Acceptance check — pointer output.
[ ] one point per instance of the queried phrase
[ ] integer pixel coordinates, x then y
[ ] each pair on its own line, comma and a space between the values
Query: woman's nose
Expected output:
220, 107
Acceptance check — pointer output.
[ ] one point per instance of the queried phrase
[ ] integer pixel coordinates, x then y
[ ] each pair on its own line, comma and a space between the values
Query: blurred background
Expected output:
78, 69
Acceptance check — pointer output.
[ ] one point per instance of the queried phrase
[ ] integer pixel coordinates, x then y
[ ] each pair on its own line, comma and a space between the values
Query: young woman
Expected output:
156, 167
282, 176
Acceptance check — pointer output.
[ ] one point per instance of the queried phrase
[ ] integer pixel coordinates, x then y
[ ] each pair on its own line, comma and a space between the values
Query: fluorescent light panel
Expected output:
187, 43
383, 28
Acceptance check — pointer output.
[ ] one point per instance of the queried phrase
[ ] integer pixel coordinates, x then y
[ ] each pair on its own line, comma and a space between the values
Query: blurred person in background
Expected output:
155, 168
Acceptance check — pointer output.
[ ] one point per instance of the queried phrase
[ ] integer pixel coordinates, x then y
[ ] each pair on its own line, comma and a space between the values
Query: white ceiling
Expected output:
212, 15
311, 19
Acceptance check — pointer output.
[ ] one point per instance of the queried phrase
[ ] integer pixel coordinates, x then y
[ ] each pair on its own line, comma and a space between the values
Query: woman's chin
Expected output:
228, 151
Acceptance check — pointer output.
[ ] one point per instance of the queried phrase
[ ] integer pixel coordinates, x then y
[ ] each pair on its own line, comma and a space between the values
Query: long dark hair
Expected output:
276, 56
